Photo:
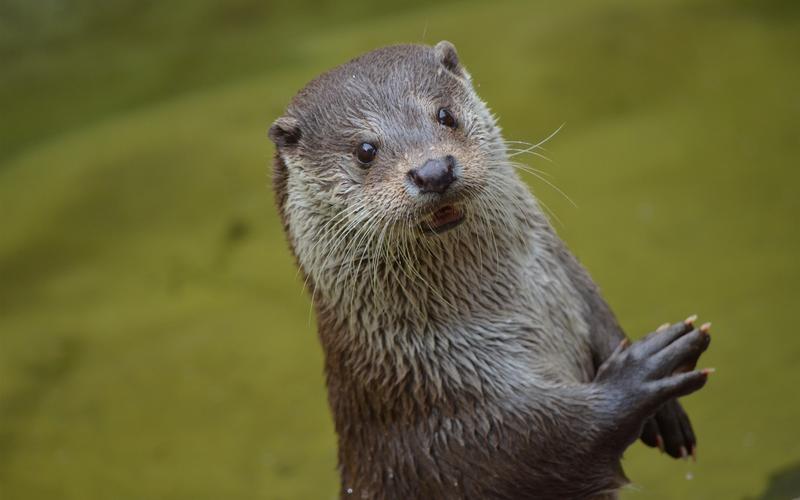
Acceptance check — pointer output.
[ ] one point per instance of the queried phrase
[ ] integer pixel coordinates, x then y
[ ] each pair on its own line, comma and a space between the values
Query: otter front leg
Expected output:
589, 426
643, 376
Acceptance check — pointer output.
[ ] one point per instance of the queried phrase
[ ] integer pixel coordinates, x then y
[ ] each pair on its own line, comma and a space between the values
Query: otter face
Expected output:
393, 145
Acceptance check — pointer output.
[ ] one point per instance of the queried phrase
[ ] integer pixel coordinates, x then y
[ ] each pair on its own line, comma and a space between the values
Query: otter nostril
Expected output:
416, 178
450, 161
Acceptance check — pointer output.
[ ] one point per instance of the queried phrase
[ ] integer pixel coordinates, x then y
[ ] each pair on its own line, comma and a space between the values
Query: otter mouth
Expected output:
443, 219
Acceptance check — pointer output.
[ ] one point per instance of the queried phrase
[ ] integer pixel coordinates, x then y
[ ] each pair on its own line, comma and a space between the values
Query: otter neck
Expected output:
427, 318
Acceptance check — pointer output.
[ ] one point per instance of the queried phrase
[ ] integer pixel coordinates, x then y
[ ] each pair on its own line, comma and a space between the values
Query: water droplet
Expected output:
349, 491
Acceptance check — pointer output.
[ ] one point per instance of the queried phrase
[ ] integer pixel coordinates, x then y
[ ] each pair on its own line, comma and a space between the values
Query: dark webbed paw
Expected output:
648, 375
671, 431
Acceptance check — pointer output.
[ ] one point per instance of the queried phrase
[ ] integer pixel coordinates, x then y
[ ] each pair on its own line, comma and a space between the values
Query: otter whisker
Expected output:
352, 224
550, 211
504, 213
363, 245
353, 249
536, 174
393, 260
404, 263
525, 151
382, 251
432, 245
426, 243
482, 222
525, 148
487, 221
320, 236
348, 239
403, 259
342, 267
512, 151
528, 168
546, 139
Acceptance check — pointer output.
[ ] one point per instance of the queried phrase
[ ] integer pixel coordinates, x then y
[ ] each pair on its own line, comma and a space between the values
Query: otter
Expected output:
468, 354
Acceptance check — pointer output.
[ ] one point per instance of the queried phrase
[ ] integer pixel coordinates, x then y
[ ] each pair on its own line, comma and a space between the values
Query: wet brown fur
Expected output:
457, 388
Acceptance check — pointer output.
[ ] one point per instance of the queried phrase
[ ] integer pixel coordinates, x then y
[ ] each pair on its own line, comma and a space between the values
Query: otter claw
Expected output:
650, 374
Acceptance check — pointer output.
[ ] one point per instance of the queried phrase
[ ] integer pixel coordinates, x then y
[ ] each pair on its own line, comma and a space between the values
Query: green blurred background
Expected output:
155, 341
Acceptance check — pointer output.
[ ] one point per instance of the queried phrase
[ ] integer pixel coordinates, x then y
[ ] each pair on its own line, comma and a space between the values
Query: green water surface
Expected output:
155, 340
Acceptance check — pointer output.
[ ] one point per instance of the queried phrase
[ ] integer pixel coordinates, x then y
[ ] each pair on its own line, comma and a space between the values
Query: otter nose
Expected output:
434, 176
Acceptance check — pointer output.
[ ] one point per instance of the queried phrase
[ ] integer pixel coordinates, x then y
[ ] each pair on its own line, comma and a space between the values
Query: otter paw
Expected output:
670, 431
649, 372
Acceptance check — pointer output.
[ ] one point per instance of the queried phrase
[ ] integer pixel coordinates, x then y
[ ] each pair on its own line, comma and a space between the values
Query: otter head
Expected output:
390, 157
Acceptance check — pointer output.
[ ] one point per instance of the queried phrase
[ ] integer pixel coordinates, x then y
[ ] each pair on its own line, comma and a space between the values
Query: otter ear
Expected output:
446, 54
285, 132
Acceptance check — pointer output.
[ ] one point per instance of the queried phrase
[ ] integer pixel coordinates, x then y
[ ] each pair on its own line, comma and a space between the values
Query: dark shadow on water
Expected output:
236, 231
784, 484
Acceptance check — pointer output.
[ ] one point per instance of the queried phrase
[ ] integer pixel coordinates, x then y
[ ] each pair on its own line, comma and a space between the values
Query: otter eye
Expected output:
446, 118
366, 152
